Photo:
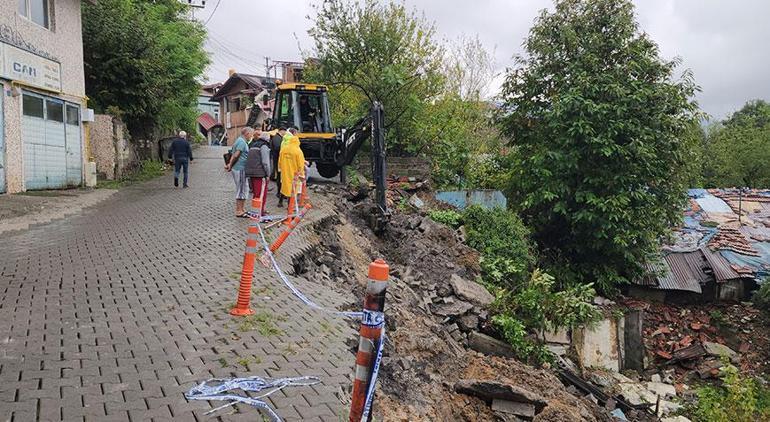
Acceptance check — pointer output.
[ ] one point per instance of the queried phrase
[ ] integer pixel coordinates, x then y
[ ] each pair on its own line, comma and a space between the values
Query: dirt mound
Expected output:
428, 321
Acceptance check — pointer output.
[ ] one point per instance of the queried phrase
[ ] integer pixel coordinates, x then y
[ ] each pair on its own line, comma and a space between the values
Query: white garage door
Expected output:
44, 136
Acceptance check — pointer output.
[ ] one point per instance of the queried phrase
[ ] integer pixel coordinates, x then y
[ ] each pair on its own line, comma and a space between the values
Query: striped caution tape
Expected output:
219, 392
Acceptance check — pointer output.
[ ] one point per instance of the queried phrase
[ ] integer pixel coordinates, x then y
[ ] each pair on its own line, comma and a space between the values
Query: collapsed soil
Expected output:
422, 361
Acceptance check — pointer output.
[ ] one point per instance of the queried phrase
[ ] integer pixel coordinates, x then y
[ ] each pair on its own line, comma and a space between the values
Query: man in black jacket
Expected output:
181, 152
275, 152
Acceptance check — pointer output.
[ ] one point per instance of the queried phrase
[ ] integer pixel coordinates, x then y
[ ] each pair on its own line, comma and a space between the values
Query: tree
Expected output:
738, 148
469, 69
143, 60
598, 119
387, 50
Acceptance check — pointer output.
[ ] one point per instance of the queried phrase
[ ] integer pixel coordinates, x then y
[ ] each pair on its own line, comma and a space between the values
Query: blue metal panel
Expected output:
465, 198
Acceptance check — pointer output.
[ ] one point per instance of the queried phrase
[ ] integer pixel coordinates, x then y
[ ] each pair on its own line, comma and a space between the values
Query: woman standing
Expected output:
237, 165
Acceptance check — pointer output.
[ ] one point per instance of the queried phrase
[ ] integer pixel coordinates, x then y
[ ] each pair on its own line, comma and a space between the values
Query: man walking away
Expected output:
258, 168
181, 152
237, 166
275, 152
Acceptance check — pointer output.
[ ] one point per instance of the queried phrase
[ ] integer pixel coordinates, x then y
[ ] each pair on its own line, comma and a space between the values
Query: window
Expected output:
285, 113
54, 111
35, 10
73, 115
32, 106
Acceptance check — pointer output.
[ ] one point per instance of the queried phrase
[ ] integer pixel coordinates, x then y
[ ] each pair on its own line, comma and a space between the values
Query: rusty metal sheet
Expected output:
723, 271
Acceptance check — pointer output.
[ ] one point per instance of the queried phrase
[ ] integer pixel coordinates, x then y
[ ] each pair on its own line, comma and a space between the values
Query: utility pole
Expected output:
267, 67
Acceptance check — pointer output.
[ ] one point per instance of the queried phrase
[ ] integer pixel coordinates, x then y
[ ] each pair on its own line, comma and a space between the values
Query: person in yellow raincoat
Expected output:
291, 162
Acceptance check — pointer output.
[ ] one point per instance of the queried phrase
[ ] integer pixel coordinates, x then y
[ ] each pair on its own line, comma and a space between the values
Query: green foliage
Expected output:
503, 241
537, 306
598, 120
148, 169
516, 334
738, 149
451, 218
143, 60
739, 399
761, 297
388, 50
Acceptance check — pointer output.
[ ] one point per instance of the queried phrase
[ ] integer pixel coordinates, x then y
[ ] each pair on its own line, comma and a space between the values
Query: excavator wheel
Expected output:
327, 170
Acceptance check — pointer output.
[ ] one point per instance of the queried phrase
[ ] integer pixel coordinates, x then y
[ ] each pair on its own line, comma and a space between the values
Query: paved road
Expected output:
114, 313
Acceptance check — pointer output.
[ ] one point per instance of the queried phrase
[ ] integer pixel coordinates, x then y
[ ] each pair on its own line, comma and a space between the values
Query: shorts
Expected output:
241, 184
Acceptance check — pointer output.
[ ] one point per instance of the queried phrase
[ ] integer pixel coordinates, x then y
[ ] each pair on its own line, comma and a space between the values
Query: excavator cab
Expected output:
306, 107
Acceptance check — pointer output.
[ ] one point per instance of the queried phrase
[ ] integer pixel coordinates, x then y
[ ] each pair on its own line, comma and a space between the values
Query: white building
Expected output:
43, 95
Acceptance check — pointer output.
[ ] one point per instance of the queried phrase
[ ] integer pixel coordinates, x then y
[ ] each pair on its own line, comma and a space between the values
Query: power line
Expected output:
212, 13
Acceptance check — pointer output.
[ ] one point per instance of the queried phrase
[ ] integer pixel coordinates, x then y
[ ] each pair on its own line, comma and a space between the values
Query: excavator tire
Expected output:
327, 170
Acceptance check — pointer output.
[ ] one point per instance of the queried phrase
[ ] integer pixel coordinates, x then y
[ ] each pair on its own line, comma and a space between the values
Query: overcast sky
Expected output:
725, 43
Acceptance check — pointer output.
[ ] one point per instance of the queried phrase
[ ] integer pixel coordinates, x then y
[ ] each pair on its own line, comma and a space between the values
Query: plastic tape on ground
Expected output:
369, 318
204, 391
297, 293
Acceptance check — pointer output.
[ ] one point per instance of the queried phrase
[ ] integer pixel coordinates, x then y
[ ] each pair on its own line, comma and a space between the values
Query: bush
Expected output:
451, 218
761, 297
537, 307
739, 399
503, 241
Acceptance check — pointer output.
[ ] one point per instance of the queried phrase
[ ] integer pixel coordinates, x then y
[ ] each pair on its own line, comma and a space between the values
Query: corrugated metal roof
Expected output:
667, 277
207, 121
690, 267
723, 271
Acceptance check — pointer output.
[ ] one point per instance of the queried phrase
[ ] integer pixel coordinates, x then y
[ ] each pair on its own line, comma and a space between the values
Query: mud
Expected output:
425, 353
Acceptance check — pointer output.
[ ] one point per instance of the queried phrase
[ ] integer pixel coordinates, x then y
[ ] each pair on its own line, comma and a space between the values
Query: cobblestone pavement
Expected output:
114, 313
21, 210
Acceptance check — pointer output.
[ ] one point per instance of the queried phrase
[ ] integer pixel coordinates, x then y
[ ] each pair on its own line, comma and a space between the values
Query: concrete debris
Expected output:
526, 410
719, 350
675, 419
416, 202
471, 291
489, 390
662, 389
451, 309
489, 346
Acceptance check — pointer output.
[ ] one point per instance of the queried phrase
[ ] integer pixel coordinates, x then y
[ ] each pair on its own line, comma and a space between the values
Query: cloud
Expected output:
723, 43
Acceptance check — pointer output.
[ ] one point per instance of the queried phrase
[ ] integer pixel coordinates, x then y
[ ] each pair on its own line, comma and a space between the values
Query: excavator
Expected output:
306, 107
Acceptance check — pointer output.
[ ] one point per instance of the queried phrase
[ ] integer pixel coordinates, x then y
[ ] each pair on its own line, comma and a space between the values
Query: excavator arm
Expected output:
351, 140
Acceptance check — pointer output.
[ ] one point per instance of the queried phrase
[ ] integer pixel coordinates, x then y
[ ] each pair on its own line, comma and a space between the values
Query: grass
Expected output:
148, 170
222, 362
246, 361
263, 322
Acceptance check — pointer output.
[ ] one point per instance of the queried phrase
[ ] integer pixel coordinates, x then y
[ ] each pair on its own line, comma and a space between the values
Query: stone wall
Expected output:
111, 148
417, 167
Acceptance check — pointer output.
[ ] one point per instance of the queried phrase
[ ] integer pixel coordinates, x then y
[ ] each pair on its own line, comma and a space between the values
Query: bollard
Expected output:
287, 231
303, 199
370, 334
247, 272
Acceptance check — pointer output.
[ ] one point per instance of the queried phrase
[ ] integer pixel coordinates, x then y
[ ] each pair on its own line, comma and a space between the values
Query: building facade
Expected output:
245, 100
43, 95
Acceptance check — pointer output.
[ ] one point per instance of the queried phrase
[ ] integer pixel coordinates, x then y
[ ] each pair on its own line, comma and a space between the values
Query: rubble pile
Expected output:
692, 338
434, 310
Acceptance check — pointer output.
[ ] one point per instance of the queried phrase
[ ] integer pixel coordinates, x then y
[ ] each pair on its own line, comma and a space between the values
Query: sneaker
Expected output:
176, 182
186, 186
